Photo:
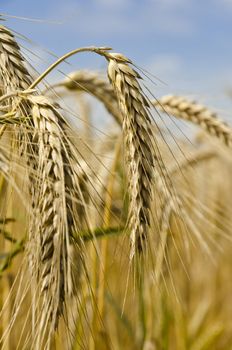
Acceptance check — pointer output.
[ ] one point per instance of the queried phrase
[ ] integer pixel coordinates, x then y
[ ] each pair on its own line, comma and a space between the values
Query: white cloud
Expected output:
113, 4
167, 72
227, 2
224, 4
168, 4
116, 17
165, 65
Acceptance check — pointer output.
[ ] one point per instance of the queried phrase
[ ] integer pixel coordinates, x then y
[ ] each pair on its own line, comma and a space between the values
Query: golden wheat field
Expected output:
115, 230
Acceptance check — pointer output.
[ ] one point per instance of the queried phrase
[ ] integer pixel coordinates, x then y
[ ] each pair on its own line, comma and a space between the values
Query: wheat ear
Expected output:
138, 141
198, 114
54, 187
92, 83
12, 65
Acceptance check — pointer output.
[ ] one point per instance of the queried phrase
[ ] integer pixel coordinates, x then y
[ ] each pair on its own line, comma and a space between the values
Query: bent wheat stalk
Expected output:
198, 114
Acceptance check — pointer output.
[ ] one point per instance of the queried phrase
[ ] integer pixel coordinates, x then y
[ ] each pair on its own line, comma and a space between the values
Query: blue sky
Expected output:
186, 43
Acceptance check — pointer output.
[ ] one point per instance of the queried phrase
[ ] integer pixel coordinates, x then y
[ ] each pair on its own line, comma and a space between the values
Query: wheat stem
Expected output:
97, 50
106, 224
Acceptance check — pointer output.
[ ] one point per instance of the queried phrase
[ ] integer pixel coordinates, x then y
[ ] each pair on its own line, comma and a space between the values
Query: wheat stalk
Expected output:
198, 114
